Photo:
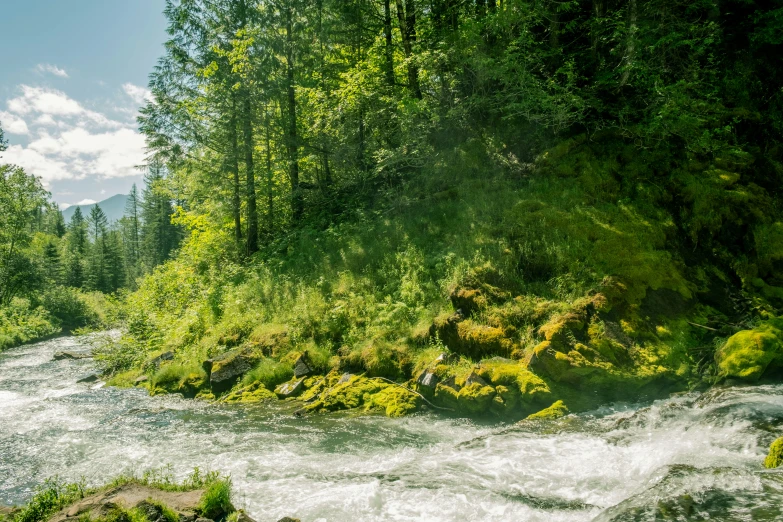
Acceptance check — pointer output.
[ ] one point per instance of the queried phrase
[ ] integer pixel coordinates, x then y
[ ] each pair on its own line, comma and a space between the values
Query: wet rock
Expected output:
60, 356
223, 371
290, 389
303, 366
289, 519
92, 377
427, 379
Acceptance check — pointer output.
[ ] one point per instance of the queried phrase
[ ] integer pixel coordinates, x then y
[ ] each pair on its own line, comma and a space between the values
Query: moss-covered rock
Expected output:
394, 401
256, 392
555, 411
749, 354
226, 369
775, 457
349, 394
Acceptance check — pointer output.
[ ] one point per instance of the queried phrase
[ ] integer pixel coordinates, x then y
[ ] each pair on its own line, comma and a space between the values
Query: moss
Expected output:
350, 394
749, 354
473, 399
394, 401
124, 379
255, 392
516, 386
381, 359
187, 379
555, 411
775, 457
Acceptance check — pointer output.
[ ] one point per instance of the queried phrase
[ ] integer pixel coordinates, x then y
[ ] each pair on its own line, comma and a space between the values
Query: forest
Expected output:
588, 187
487, 231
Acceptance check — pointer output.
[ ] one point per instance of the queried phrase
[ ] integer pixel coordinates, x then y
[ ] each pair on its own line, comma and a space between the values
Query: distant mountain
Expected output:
114, 208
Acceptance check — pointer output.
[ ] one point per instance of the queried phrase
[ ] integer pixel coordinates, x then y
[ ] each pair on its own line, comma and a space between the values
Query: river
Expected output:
692, 457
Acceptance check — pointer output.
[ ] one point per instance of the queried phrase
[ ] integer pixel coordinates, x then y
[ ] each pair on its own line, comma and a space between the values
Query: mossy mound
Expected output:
557, 410
349, 392
775, 457
750, 354
256, 392
186, 379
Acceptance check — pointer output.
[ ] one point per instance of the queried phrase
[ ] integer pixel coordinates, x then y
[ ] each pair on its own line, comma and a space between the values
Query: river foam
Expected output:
692, 457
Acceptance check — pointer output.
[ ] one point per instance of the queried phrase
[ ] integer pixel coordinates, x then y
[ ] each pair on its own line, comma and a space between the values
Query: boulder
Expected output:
243, 517
750, 354
303, 366
59, 356
224, 370
141, 379
345, 378
775, 457
92, 377
290, 389
427, 379
289, 519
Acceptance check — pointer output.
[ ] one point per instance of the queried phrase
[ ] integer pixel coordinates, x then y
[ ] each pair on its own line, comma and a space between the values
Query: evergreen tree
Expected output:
97, 276
159, 237
75, 249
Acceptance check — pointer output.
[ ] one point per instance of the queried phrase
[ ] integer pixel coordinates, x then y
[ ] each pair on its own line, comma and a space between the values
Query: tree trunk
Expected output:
297, 202
630, 50
389, 49
250, 186
270, 200
234, 166
406, 17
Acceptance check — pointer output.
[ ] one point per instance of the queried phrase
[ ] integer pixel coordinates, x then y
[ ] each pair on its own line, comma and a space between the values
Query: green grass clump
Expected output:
216, 499
187, 378
268, 372
52, 496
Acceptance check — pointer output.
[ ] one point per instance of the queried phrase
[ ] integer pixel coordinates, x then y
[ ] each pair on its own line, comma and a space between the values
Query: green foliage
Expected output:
216, 500
270, 373
21, 323
53, 495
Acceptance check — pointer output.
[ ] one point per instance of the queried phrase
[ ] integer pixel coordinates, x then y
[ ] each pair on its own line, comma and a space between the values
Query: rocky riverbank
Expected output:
205, 499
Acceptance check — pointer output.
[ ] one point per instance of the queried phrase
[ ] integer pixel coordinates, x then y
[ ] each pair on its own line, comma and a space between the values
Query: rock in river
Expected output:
59, 356
92, 377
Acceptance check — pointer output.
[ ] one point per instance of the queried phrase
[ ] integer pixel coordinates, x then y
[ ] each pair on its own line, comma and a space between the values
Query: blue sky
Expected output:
73, 74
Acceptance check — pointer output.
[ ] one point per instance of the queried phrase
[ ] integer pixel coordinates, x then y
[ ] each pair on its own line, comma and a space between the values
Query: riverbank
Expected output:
152, 497
625, 460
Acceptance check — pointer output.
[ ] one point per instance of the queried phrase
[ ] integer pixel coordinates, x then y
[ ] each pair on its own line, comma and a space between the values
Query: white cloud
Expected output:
138, 94
48, 103
51, 69
68, 141
64, 206
13, 124
87, 202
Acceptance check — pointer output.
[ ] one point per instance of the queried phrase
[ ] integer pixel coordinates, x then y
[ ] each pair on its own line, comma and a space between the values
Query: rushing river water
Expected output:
694, 457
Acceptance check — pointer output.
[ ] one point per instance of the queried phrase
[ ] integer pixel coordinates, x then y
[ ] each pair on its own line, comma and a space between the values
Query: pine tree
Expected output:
96, 260
159, 237
75, 249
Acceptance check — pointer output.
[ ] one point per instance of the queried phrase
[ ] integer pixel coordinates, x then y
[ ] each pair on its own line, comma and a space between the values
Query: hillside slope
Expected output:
483, 288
